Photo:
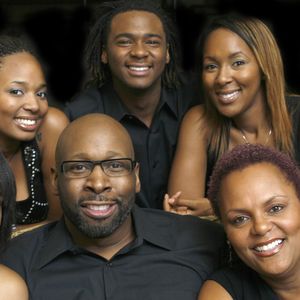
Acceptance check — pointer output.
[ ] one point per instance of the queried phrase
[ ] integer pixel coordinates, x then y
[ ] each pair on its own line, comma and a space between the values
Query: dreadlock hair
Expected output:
7, 200
244, 155
98, 36
262, 43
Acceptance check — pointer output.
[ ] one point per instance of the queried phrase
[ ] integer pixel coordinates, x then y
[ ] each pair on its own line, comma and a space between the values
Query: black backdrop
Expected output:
59, 29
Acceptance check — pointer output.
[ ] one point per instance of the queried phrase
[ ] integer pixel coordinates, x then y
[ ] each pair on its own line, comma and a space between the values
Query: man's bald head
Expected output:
96, 130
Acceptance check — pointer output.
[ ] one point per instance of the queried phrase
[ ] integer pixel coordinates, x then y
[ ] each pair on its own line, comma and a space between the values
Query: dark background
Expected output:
59, 29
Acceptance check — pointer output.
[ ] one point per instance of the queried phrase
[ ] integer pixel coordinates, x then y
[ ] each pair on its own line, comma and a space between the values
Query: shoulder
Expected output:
12, 286
85, 102
211, 290
53, 124
196, 113
195, 120
55, 118
241, 282
188, 230
24, 248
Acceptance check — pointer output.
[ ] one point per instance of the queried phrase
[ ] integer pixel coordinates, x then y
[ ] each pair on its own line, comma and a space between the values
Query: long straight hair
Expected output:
262, 42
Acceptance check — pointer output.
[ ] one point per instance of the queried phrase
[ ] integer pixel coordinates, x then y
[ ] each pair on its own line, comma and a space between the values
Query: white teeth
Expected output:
268, 247
27, 121
98, 207
139, 69
229, 96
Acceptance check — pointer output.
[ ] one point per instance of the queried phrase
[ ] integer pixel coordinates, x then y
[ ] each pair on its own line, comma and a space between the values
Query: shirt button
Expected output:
109, 264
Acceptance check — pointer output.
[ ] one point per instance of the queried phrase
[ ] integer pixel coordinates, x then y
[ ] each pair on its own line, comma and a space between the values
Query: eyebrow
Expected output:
230, 56
269, 200
130, 35
26, 83
109, 154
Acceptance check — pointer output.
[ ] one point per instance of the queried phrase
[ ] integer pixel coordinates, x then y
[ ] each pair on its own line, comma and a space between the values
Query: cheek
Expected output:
44, 107
237, 238
291, 226
67, 190
125, 186
251, 77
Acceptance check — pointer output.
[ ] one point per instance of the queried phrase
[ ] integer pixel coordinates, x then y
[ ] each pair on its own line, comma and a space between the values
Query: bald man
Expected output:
106, 247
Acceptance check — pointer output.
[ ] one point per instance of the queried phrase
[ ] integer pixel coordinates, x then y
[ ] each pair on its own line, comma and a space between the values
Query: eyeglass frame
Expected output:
134, 163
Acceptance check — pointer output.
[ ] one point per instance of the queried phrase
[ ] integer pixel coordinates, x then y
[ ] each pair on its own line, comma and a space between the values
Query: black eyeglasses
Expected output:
111, 167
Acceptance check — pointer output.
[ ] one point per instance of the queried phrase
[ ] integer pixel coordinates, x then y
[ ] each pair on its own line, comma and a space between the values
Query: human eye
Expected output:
238, 63
77, 167
116, 165
239, 220
276, 208
124, 42
153, 42
209, 67
16, 92
43, 95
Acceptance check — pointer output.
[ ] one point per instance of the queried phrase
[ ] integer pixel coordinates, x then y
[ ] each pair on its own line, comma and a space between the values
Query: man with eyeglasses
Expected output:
105, 246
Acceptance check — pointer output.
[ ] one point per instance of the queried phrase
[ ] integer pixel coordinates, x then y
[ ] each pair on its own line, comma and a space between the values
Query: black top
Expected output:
154, 147
169, 259
242, 283
34, 209
293, 105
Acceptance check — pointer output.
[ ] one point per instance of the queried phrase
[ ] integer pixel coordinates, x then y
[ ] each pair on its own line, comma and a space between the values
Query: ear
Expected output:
137, 178
167, 55
54, 181
104, 58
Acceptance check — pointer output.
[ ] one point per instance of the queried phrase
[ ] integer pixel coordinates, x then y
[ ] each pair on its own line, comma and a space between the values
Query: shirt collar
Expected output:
58, 241
112, 103
154, 228
114, 107
149, 226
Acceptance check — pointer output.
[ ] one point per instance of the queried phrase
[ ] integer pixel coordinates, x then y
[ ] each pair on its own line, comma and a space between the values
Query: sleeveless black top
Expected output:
34, 209
293, 105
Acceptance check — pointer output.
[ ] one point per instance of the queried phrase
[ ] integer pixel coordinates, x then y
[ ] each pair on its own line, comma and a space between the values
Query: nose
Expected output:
139, 50
224, 75
98, 181
31, 103
261, 225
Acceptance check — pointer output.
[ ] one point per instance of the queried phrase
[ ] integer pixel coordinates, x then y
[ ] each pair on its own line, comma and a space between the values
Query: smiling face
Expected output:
136, 50
96, 205
23, 96
231, 75
261, 215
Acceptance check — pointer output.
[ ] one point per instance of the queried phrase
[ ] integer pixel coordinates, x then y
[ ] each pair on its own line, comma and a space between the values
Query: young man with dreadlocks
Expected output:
132, 56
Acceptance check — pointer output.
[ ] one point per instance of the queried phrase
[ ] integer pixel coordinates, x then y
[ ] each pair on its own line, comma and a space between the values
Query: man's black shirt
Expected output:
155, 146
170, 258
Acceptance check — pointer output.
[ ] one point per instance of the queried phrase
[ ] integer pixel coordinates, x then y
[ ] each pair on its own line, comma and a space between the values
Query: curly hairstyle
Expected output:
99, 32
262, 43
245, 155
7, 200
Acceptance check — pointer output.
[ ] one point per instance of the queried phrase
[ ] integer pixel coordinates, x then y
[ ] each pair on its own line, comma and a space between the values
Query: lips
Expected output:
269, 248
27, 124
99, 210
228, 97
138, 70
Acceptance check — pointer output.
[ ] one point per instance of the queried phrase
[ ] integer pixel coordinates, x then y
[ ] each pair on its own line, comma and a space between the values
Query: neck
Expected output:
105, 247
285, 289
10, 150
141, 103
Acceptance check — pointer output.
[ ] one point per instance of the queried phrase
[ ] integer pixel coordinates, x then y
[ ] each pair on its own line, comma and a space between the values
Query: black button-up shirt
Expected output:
169, 259
154, 147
